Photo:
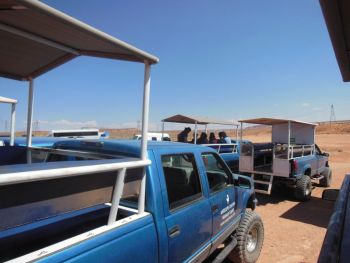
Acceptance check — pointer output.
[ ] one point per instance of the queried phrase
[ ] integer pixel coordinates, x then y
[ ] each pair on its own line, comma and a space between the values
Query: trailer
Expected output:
291, 157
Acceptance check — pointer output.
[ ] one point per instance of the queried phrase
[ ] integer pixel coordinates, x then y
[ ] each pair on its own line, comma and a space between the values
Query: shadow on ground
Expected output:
314, 211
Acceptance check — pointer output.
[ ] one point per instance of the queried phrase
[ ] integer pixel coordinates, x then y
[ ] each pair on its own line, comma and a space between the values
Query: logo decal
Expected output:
227, 199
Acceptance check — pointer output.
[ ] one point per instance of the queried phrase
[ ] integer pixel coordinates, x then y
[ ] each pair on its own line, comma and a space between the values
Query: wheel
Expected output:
327, 177
303, 188
250, 238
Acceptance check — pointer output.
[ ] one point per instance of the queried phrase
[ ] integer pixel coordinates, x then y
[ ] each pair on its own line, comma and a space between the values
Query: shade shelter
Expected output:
36, 38
286, 131
189, 119
13, 116
337, 17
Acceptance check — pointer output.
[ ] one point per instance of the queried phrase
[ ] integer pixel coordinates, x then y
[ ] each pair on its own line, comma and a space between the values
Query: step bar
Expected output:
263, 182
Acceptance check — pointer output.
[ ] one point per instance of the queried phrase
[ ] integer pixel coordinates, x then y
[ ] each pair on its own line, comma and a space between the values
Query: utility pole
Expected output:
332, 117
36, 125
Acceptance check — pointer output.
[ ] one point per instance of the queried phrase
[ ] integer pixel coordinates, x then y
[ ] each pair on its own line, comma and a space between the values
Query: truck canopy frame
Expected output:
286, 131
190, 119
37, 38
13, 103
289, 139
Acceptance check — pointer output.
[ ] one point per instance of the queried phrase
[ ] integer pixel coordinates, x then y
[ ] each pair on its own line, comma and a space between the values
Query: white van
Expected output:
81, 133
153, 136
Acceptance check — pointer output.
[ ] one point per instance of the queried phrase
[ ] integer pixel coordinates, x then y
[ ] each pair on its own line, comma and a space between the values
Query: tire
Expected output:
250, 238
327, 177
303, 188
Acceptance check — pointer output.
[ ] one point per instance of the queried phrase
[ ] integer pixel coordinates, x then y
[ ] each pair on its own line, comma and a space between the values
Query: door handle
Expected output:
214, 208
174, 231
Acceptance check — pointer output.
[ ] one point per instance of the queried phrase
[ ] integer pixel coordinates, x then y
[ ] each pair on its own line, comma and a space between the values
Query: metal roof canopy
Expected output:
274, 121
199, 120
337, 17
36, 38
13, 103
286, 131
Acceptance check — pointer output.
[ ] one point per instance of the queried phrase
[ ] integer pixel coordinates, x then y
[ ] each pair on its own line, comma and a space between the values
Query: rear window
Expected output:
182, 179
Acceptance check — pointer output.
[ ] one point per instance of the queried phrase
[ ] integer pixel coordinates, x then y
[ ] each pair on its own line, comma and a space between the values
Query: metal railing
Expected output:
17, 174
282, 151
301, 150
223, 147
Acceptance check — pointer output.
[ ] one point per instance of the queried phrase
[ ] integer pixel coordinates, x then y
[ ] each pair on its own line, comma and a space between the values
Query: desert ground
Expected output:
294, 231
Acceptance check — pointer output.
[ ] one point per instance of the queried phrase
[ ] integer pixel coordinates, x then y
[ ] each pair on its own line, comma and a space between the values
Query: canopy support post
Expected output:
30, 119
195, 132
206, 128
289, 127
163, 130
13, 121
236, 133
145, 111
117, 193
241, 135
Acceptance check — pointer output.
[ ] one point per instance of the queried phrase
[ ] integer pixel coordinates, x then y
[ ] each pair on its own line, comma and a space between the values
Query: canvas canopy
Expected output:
36, 38
287, 131
7, 100
337, 16
273, 121
199, 120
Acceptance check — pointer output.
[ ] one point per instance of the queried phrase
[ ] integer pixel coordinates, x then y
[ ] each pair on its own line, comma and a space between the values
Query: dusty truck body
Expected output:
110, 201
291, 158
194, 204
228, 151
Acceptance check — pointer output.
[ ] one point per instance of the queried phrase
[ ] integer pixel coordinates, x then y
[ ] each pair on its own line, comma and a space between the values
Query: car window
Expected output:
182, 179
219, 177
317, 150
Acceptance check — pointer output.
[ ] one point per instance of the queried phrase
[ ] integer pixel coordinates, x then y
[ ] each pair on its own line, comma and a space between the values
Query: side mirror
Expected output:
325, 154
244, 182
330, 194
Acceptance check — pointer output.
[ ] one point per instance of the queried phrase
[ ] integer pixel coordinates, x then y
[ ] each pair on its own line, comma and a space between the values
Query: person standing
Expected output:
183, 136
224, 138
203, 139
212, 138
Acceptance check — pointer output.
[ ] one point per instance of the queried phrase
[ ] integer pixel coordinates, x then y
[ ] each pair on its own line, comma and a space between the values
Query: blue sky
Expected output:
228, 59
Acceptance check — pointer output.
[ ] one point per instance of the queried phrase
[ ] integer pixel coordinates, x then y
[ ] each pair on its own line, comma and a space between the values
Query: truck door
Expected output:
321, 159
187, 211
222, 192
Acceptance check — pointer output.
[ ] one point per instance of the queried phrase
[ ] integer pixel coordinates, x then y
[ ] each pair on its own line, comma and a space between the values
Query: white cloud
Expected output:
63, 124
305, 104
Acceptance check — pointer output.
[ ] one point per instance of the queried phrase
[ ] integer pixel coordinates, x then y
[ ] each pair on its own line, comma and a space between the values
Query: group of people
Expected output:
203, 138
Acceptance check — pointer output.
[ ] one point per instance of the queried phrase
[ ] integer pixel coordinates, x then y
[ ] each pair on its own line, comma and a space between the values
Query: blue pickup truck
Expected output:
194, 204
291, 158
